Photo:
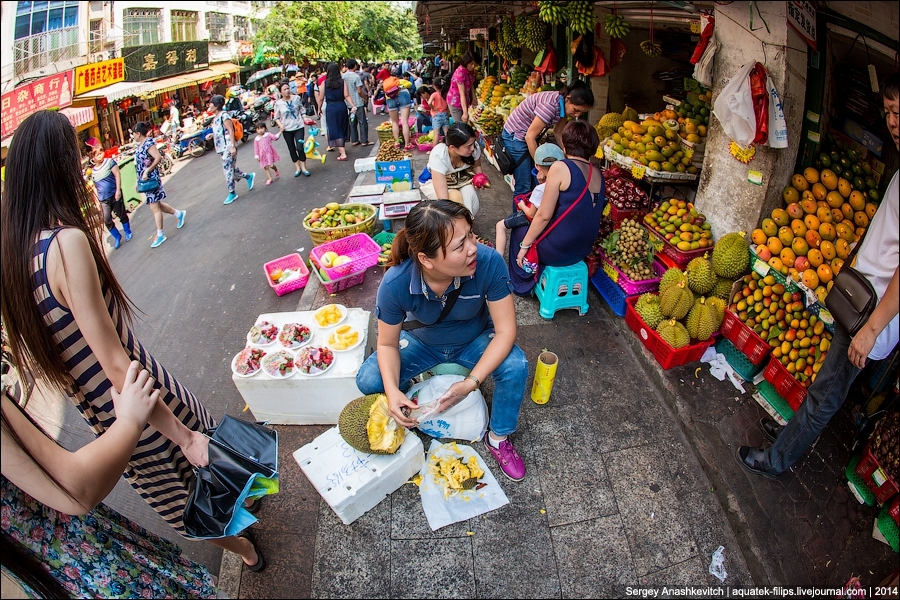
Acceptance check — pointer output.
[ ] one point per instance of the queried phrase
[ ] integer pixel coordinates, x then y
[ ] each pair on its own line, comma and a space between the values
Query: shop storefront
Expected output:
53, 92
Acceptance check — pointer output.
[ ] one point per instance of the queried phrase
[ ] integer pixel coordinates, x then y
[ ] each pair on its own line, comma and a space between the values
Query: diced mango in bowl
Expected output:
330, 314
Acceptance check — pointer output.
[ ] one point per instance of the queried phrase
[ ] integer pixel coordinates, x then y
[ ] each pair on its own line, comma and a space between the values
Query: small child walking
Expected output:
265, 152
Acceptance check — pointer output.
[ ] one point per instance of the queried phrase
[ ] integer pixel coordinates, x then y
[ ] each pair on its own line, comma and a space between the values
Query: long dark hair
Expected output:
578, 93
44, 189
429, 226
467, 58
458, 135
333, 76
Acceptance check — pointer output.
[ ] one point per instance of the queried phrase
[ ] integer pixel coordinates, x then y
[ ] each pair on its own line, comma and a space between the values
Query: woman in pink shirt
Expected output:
462, 88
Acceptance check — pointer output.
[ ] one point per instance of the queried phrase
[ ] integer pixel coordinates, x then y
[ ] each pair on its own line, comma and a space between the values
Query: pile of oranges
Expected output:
810, 237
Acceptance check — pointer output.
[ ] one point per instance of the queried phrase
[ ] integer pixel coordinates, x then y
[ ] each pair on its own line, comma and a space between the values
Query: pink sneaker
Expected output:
510, 462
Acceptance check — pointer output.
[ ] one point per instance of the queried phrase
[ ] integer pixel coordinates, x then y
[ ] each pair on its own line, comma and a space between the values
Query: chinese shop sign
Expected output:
153, 61
98, 75
48, 92
802, 17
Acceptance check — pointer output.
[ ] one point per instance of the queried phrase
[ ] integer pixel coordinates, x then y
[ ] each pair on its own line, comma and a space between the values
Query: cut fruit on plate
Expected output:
246, 363
279, 365
344, 337
262, 334
314, 361
330, 314
294, 335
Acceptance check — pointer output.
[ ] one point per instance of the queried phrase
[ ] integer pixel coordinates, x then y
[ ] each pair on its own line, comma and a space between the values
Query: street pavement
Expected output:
631, 479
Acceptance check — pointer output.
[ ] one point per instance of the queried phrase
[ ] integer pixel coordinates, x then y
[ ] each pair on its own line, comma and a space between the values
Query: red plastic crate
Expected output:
784, 383
680, 257
617, 215
362, 250
667, 356
291, 261
895, 510
744, 339
869, 469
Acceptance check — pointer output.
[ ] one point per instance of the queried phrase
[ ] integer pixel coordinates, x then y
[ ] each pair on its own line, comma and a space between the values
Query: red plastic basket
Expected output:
667, 356
784, 383
680, 257
617, 215
362, 250
744, 339
291, 261
871, 472
633, 287
336, 285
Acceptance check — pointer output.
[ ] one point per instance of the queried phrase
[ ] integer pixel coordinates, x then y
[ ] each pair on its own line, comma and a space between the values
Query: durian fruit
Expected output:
647, 307
366, 425
629, 114
731, 255
609, 124
453, 475
702, 321
723, 288
673, 333
671, 277
700, 275
676, 301
720, 306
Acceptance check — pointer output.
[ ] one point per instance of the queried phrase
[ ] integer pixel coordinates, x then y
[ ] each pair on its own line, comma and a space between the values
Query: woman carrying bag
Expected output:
146, 161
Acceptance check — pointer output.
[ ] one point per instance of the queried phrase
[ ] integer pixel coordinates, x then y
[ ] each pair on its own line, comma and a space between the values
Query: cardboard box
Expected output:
397, 176
353, 482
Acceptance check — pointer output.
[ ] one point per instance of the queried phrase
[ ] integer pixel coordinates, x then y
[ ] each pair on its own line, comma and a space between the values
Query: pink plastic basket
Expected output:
362, 250
291, 261
336, 285
633, 287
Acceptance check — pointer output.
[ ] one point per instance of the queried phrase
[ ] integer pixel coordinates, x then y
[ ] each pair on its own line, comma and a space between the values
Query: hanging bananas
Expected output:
507, 41
531, 32
651, 48
581, 16
616, 26
551, 12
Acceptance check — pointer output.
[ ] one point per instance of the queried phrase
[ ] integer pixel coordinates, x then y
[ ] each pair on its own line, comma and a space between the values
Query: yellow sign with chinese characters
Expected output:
99, 74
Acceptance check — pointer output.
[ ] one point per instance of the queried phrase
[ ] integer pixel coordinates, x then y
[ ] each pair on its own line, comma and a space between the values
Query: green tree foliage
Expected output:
333, 30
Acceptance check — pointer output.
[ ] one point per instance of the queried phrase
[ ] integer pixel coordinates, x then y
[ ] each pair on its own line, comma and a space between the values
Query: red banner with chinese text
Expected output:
48, 92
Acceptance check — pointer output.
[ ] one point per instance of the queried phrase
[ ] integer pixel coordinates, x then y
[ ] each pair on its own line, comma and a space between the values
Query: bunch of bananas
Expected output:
651, 48
493, 46
551, 12
581, 16
489, 122
507, 41
616, 26
461, 48
531, 32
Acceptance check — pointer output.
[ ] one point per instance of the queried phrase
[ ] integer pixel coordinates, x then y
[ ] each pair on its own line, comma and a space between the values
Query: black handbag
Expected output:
505, 162
242, 457
852, 297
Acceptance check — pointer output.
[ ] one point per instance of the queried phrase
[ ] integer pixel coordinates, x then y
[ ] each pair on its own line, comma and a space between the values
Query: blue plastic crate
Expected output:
611, 292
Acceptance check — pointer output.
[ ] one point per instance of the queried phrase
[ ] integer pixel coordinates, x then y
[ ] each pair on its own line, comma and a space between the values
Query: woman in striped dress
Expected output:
68, 318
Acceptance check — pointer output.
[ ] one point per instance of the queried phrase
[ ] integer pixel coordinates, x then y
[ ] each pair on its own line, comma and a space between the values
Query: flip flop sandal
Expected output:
260, 562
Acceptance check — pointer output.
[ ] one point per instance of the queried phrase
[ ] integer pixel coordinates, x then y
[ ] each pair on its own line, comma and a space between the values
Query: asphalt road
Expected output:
203, 288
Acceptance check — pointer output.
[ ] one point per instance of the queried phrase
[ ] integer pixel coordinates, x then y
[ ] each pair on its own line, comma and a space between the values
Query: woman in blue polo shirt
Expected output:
436, 262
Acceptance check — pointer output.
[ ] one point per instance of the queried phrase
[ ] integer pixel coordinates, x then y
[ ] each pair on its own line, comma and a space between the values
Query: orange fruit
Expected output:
825, 273
810, 279
798, 227
758, 236
844, 187
775, 263
842, 247
827, 249
812, 222
808, 205
870, 209
857, 200
799, 246
781, 217
815, 257
795, 211
788, 257
861, 219
829, 179
819, 191
811, 175
800, 183
774, 245
834, 199
823, 213
790, 194
813, 239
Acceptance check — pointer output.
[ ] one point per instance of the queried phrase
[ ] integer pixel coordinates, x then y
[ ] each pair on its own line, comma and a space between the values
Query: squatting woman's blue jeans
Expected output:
416, 358
524, 180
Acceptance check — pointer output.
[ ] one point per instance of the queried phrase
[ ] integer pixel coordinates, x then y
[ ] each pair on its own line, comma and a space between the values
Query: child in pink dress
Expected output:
265, 152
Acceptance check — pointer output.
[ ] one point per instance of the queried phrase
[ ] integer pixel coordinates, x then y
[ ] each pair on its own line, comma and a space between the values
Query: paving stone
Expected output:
353, 561
289, 565
432, 568
658, 531
593, 558
710, 529
408, 519
690, 573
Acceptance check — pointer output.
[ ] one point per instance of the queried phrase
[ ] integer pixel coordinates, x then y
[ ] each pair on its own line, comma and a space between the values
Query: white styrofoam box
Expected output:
409, 196
301, 399
353, 482
375, 189
361, 165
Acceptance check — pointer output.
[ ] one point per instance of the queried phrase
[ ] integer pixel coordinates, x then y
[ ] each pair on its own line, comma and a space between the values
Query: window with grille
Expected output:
217, 25
184, 26
141, 26
242, 27
45, 32
96, 39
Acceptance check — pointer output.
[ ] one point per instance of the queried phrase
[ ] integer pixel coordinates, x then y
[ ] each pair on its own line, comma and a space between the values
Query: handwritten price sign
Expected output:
638, 170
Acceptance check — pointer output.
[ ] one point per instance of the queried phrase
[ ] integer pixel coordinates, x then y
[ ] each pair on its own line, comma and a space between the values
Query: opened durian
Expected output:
366, 424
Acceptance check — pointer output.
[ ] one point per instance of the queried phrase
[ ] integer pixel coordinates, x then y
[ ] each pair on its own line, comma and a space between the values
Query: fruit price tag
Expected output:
611, 272
638, 170
879, 477
607, 209
599, 153
761, 267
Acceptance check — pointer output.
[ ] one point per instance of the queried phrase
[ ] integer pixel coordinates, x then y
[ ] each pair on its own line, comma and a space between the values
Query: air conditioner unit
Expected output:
99, 56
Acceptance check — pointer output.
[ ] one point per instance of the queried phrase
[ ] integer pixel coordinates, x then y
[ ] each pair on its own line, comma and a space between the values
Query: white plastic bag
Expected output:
778, 135
468, 420
703, 70
734, 108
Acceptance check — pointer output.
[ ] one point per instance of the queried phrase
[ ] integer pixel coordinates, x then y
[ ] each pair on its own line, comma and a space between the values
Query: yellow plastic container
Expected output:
544, 374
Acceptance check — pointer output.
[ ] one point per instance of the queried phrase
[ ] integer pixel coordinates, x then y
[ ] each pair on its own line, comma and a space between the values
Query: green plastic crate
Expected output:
738, 361
384, 237
857, 482
888, 528
767, 391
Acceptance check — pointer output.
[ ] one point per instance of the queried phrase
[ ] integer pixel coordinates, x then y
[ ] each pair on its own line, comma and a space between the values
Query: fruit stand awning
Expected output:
117, 91
456, 18
169, 84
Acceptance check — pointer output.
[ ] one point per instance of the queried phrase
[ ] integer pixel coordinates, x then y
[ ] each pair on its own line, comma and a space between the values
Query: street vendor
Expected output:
455, 167
446, 298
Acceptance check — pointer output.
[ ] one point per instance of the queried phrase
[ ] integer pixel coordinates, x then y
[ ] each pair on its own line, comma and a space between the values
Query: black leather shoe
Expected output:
751, 459
771, 428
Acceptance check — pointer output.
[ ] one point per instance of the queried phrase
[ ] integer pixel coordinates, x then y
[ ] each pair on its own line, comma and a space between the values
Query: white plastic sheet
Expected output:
734, 108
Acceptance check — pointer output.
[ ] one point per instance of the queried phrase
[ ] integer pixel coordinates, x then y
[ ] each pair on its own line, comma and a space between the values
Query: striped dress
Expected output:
158, 470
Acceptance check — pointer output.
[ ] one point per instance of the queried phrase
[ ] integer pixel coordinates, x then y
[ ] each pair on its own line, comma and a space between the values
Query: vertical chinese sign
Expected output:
48, 92
802, 17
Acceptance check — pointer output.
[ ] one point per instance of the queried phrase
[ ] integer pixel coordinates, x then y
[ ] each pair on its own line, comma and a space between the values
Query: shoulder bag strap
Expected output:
571, 206
448, 306
849, 260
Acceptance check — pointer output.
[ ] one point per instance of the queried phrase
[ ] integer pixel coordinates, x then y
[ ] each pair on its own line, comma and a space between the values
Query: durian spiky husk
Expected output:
731, 255
701, 322
647, 307
671, 277
674, 333
676, 301
354, 424
700, 275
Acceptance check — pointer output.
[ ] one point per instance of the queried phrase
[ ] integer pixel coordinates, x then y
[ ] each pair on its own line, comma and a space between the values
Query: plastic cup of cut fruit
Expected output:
344, 338
262, 334
314, 360
247, 362
279, 365
294, 335
330, 315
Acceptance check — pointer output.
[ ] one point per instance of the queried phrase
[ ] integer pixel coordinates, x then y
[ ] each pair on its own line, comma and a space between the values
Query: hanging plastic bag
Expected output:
548, 64
617, 52
760, 94
467, 420
705, 38
778, 134
703, 70
734, 108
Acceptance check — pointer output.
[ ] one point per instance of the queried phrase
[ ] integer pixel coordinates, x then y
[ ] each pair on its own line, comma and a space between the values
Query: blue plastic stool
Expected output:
563, 287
